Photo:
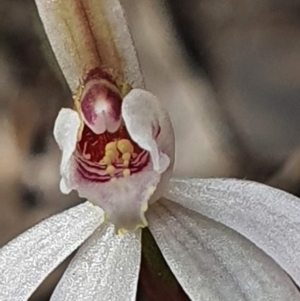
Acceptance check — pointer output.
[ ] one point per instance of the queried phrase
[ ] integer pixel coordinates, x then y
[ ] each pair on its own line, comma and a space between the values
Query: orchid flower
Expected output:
223, 239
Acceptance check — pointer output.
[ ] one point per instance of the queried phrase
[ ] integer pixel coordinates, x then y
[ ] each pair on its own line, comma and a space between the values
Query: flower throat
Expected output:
105, 150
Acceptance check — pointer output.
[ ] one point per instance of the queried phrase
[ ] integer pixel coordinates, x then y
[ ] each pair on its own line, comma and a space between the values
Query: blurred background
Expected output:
227, 71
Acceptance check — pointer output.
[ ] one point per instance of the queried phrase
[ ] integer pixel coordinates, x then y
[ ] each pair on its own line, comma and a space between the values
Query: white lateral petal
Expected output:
27, 260
267, 216
105, 268
65, 132
88, 34
144, 116
213, 262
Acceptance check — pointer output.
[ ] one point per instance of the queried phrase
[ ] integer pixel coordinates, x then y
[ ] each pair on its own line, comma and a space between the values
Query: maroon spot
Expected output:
99, 90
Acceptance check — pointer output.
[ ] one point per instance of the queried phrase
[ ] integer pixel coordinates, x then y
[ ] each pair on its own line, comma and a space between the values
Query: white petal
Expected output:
65, 186
212, 262
66, 128
269, 217
65, 132
27, 260
144, 115
105, 268
88, 34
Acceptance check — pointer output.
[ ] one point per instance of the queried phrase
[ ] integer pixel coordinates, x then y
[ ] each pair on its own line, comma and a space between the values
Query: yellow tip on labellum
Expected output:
145, 207
151, 190
122, 232
143, 224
